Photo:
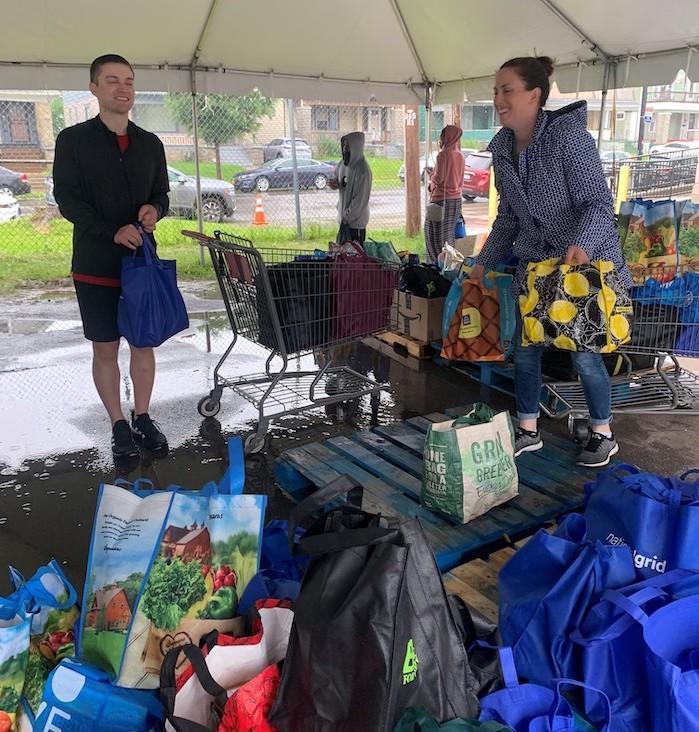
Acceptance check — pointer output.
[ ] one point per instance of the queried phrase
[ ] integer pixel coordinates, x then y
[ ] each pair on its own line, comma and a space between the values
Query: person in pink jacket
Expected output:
445, 188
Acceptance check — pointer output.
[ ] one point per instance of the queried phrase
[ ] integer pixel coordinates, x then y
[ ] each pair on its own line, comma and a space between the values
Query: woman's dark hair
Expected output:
534, 72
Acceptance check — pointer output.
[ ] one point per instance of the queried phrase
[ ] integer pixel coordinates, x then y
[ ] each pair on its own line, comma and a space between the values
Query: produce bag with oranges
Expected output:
167, 567
575, 307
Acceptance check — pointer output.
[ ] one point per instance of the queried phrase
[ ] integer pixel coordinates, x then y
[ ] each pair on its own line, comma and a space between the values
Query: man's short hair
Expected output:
107, 58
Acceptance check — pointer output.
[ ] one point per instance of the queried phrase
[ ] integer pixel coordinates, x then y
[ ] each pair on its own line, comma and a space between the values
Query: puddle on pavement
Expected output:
53, 461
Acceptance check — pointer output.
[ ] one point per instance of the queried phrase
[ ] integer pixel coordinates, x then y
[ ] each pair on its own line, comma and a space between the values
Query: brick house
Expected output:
186, 543
110, 608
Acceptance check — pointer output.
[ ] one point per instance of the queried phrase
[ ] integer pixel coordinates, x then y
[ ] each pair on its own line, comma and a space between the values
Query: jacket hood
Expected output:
451, 135
572, 115
354, 151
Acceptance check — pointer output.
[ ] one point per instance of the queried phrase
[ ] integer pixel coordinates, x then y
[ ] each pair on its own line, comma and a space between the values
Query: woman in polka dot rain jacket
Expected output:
554, 202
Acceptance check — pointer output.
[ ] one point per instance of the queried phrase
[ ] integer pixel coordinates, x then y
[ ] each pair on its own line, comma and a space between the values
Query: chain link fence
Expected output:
246, 167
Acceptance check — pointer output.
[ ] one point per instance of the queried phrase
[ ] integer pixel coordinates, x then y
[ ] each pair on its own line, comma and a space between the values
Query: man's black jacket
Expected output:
100, 190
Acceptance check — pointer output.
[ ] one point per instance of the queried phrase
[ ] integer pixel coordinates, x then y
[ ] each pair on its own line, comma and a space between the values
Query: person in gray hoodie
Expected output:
354, 184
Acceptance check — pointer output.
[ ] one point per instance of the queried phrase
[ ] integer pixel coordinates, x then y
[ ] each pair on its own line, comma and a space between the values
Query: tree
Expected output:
57, 118
221, 118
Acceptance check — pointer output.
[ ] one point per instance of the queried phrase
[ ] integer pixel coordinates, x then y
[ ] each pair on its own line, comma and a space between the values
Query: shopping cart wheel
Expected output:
209, 407
578, 428
254, 443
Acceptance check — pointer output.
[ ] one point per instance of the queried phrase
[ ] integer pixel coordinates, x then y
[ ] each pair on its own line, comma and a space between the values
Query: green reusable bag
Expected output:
417, 720
384, 251
469, 464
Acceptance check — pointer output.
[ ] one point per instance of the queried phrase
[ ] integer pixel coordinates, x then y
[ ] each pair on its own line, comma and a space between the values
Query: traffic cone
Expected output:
259, 218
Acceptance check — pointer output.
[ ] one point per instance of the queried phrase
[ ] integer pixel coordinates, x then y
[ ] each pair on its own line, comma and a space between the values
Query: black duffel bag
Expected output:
301, 292
424, 280
374, 632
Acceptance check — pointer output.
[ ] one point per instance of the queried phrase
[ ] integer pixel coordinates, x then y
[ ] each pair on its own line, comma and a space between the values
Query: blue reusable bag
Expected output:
545, 591
613, 658
165, 568
280, 572
151, 308
79, 697
657, 517
535, 708
671, 646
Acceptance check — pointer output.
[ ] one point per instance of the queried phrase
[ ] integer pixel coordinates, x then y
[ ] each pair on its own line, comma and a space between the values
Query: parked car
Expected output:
612, 156
14, 183
9, 207
217, 196
281, 148
682, 148
423, 165
477, 175
279, 174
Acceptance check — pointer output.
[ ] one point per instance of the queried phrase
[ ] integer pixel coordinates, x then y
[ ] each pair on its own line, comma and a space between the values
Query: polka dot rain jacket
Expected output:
555, 197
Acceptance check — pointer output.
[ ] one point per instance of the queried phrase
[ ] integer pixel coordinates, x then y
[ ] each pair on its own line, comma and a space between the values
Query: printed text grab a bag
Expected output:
151, 308
575, 307
469, 464
166, 567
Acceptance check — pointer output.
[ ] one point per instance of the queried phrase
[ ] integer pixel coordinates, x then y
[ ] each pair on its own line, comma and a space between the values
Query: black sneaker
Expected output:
526, 441
147, 434
598, 451
123, 445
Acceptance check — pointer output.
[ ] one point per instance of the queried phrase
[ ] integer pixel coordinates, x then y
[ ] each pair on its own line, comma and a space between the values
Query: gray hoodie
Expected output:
354, 181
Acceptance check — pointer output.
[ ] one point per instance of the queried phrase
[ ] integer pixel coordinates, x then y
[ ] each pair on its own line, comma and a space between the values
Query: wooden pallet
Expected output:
387, 461
406, 345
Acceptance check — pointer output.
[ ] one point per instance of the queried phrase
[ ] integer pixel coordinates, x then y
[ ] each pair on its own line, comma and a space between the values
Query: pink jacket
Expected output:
447, 178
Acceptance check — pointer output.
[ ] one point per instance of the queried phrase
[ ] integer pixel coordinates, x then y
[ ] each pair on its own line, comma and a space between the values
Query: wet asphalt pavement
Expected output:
54, 434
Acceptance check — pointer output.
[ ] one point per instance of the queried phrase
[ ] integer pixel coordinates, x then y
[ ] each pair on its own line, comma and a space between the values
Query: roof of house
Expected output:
176, 532
104, 597
187, 538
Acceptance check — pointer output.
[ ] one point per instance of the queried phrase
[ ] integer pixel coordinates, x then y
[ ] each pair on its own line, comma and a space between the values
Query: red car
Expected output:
477, 175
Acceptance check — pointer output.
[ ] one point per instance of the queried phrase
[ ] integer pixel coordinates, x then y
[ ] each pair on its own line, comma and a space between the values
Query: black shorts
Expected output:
98, 309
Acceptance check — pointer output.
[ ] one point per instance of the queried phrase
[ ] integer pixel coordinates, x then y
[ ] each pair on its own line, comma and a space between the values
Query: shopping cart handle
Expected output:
197, 235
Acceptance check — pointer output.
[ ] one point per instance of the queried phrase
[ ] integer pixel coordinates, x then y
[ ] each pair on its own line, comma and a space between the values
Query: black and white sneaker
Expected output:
147, 433
123, 445
526, 441
598, 451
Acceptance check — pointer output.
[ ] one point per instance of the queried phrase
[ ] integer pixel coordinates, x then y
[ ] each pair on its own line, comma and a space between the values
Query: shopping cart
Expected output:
295, 303
665, 330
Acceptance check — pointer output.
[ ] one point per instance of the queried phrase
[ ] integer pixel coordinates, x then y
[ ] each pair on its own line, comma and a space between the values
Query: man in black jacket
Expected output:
110, 175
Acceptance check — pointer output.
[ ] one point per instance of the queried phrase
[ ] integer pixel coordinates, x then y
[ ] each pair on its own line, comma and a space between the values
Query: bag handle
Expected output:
149, 253
318, 500
233, 480
562, 701
33, 591
168, 685
508, 667
337, 541
629, 606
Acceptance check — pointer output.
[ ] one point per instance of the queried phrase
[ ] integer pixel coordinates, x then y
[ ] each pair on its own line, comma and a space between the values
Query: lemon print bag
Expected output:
582, 307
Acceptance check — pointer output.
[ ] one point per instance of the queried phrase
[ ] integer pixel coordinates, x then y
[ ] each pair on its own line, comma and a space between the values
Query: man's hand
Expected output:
576, 255
128, 236
148, 217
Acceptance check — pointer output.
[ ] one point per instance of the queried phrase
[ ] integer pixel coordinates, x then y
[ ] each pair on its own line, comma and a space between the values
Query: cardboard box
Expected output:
420, 317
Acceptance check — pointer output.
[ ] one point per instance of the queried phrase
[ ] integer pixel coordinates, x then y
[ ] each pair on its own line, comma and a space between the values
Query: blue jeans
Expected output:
590, 367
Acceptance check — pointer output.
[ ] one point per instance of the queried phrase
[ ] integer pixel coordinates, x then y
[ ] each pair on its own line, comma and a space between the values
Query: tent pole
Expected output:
428, 139
197, 173
603, 103
294, 166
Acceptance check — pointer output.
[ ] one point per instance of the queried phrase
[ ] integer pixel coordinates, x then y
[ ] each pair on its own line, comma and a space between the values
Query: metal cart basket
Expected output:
295, 303
665, 330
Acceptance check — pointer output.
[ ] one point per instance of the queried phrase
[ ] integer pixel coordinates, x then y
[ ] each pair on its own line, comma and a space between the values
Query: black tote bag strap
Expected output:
319, 499
168, 685
337, 541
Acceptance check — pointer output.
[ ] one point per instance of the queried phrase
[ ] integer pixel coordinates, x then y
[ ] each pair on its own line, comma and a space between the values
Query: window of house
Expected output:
18, 123
325, 117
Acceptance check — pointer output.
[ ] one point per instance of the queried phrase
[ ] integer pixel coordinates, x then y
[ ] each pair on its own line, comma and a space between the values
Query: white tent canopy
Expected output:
363, 50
